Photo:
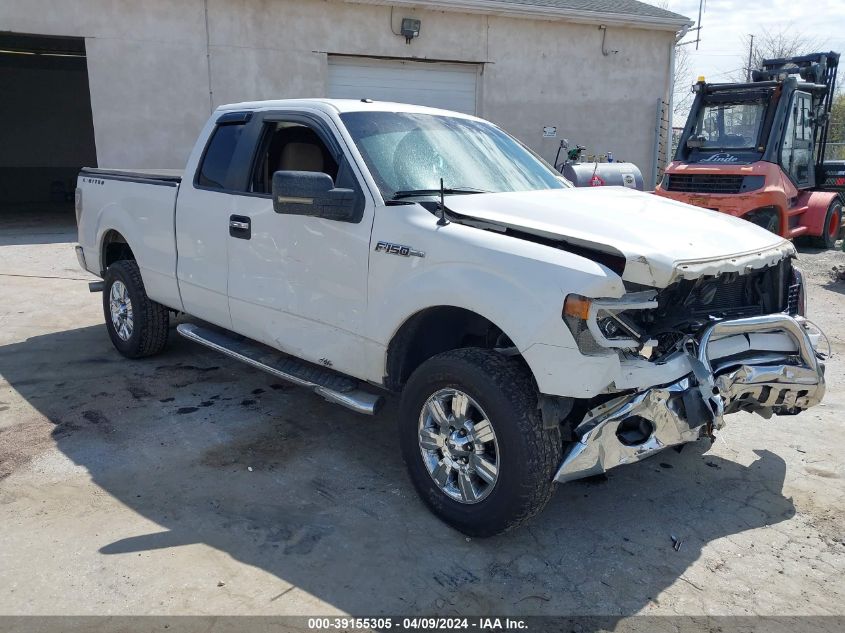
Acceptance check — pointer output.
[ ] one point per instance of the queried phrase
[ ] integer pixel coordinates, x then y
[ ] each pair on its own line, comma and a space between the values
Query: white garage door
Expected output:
447, 86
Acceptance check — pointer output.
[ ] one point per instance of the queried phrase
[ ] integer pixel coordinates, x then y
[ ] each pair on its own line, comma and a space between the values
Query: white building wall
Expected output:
149, 70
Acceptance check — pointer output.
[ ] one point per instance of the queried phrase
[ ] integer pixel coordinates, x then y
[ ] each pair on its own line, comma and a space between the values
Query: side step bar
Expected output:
331, 385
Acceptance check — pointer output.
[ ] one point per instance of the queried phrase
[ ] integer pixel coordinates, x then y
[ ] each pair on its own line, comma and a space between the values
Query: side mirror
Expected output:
311, 193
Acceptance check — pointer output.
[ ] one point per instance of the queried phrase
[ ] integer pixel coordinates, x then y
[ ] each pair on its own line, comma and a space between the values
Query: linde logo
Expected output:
721, 158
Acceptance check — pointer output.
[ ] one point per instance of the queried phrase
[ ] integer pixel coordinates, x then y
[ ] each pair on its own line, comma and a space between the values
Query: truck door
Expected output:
298, 283
796, 156
204, 205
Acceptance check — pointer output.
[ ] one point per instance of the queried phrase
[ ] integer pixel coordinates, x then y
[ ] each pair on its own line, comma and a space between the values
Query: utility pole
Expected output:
750, 56
698, 29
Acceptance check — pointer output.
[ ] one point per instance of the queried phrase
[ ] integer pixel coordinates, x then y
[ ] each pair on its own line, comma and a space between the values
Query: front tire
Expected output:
137, 325
473, 441
832, 227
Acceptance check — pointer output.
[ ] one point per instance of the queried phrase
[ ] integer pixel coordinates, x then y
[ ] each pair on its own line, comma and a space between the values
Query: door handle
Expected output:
240, 227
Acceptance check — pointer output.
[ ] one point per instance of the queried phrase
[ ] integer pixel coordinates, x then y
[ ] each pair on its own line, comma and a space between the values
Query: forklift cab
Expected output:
743, 125
781, 118
756, 150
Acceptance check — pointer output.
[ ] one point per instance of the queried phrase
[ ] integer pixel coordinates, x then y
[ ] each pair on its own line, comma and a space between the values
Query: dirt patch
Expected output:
138, 392
818, 264
98, 420
22, 442
267, 451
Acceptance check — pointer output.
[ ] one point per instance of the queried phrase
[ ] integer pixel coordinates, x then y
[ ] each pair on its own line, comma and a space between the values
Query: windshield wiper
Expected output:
413, 193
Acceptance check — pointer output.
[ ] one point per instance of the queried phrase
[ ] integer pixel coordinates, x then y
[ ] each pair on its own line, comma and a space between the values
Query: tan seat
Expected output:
295, 148
301, 157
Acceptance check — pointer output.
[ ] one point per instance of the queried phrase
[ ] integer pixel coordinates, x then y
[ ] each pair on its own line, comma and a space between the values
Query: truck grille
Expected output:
704, 183
688, 305
730, 297
794, 299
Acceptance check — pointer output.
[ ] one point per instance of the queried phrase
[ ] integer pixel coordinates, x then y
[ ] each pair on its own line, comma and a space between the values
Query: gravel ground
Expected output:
187, 483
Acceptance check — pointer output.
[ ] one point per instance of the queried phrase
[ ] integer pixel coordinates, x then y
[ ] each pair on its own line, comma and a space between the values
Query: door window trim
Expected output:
226, 119
247, 153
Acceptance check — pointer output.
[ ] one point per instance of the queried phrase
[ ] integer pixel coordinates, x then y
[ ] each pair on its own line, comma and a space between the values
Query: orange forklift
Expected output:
756, 150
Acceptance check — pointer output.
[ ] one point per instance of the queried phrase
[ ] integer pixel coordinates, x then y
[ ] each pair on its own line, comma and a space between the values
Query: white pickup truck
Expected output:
538, 333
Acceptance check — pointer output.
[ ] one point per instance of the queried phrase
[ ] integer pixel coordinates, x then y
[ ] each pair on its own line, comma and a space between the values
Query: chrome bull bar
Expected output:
635, 426
769, 381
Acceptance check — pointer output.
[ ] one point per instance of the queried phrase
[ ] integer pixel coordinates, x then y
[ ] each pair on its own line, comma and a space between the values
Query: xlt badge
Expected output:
398, 249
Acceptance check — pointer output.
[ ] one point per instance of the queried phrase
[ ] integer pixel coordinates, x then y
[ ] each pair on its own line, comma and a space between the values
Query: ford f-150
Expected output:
537, 333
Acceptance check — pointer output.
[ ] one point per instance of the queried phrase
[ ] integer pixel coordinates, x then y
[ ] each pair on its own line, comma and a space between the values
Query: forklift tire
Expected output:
831, 228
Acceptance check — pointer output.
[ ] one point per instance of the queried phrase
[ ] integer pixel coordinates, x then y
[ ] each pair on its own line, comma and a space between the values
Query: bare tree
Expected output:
774, 45
682, 83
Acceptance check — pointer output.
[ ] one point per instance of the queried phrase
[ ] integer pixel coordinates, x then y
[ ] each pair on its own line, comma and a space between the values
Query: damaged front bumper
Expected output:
784, 377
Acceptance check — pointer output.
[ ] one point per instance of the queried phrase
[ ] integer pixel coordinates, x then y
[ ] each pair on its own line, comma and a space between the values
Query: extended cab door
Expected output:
295, 282
204, 206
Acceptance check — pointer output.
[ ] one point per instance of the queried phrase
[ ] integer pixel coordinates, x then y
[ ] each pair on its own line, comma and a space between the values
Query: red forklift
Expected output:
756, 150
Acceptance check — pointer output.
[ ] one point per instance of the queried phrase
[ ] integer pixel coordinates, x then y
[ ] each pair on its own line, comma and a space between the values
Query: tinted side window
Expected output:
218, 156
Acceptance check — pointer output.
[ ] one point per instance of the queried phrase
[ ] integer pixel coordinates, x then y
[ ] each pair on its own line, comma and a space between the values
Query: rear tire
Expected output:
832, 227
137, 325
502, 391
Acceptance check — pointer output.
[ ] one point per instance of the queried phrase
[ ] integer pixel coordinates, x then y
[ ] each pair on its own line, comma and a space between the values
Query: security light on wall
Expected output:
410, 29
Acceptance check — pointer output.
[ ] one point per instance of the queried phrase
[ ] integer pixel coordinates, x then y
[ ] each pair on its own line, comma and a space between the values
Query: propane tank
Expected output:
604, 175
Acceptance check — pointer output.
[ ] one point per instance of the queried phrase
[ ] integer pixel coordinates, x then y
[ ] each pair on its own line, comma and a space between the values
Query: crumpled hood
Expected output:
661, 240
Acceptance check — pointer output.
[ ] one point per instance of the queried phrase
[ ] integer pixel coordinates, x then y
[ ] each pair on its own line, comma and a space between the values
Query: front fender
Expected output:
517, 284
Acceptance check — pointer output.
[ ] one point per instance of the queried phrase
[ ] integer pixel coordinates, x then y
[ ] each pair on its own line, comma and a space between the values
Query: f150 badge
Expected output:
398, 249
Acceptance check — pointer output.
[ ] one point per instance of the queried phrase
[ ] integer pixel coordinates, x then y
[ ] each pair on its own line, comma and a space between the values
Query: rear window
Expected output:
218, 156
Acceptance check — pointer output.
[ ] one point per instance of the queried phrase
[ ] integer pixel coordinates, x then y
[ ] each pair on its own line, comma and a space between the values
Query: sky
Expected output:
726, 22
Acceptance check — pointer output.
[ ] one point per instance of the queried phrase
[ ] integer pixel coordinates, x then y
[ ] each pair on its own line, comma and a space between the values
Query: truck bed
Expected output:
169, 177
137, 206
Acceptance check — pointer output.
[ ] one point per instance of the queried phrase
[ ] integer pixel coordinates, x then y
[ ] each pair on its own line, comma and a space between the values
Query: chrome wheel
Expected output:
458, 446
121, 310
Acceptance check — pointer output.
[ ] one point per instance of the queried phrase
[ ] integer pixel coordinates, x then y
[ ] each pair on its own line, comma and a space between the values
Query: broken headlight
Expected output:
600, 325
